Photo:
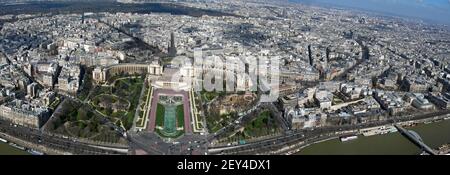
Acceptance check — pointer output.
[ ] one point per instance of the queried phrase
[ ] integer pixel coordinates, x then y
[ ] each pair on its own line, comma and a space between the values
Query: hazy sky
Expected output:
430, 10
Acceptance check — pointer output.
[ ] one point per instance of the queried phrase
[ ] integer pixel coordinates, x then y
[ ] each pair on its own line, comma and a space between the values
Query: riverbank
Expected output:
31, 146
6, 149
444, 149
434, 133
292, 141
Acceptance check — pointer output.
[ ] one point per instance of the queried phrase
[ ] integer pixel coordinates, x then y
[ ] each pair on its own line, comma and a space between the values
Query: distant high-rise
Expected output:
31, 90
311, 61
284, 13
172, 49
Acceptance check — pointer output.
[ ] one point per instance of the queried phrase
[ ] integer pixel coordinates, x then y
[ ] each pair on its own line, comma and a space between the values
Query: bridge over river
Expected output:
416, 139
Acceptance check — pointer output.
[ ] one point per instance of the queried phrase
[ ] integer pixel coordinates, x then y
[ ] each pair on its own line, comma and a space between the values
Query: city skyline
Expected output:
436, 11
231, 77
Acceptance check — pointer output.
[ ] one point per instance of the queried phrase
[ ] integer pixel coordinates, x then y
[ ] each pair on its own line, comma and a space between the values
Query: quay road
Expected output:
38, 137
276, 145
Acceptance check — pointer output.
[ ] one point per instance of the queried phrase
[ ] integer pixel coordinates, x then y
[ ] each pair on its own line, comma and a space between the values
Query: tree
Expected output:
108, 111
56, 123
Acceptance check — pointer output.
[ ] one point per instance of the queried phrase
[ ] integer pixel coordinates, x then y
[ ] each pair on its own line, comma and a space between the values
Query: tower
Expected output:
31, 90
172, 49
311, 61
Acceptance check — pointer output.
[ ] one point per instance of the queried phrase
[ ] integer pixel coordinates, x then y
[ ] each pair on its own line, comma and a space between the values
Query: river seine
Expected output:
6, 149
433, 134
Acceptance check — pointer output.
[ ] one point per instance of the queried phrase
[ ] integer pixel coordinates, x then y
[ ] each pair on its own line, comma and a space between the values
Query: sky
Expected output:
436, 11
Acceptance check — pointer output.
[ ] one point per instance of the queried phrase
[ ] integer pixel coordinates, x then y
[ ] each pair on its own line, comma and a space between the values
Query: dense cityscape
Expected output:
215, 77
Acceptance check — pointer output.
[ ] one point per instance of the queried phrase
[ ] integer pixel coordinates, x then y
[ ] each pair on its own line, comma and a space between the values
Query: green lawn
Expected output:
208, 96
160, 115
55, 103
130, 89
118, 114
180, 115
78, 120
264, 124
214, 122
215, 128
337, 100
108, 98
